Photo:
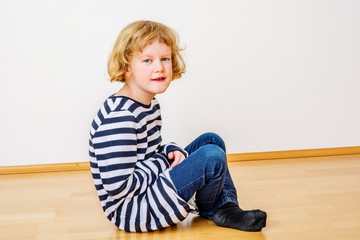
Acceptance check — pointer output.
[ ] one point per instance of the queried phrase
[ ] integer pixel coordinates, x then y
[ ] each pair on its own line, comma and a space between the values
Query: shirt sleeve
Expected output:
115, 148
171, 147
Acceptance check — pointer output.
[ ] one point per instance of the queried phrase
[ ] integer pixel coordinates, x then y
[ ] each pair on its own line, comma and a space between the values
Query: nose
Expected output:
159, 66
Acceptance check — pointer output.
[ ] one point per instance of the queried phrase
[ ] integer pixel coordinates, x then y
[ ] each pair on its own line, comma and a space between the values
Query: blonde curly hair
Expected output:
134, 38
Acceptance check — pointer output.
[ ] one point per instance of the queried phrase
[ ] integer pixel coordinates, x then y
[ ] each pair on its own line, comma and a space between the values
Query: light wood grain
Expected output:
306, 198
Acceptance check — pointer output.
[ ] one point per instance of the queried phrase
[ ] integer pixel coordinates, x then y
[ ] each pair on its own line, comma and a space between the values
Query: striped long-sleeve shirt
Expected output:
130, 167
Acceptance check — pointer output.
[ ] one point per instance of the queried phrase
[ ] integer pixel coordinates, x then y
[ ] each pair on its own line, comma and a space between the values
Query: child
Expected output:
142, 184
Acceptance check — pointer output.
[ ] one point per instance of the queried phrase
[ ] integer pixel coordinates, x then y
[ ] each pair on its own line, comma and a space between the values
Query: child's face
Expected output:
150, 72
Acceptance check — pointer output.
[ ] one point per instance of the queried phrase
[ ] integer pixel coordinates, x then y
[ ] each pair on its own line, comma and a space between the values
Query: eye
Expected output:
165, 59
147, 61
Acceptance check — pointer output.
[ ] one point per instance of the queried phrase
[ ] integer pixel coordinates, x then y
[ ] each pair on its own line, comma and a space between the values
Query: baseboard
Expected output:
59, 167
294, 154
42, 168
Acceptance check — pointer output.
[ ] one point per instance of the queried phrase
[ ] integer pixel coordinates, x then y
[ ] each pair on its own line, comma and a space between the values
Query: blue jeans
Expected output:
205, 173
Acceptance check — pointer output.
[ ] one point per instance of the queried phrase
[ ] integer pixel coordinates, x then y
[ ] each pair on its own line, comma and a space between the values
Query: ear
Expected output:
128, 73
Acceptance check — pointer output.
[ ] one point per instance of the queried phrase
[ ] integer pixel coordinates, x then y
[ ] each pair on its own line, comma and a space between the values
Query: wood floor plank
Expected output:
305, 198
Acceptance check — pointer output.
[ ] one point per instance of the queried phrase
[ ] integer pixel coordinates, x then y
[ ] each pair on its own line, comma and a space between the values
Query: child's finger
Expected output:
176, 162
177, 156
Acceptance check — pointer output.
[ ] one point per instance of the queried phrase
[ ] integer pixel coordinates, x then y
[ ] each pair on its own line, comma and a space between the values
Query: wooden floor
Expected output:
309, 198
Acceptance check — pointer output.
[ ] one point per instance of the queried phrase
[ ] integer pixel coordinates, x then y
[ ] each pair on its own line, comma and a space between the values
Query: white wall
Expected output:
266, 75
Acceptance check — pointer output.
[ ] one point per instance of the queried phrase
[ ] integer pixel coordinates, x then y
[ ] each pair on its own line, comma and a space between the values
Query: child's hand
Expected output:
177, 156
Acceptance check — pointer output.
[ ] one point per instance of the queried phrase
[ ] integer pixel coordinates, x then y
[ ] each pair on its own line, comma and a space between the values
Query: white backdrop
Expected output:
265, 75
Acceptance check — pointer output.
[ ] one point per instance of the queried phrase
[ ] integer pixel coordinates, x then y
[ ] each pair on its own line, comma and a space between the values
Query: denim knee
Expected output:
215, 158
213, 138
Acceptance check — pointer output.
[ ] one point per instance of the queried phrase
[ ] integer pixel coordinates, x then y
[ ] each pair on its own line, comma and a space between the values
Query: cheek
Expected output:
169, 70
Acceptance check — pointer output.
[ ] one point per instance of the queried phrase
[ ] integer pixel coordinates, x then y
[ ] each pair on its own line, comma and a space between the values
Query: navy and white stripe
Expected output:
129, 167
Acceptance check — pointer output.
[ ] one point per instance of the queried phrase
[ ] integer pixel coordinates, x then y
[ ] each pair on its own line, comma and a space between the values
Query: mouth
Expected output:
158, 79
